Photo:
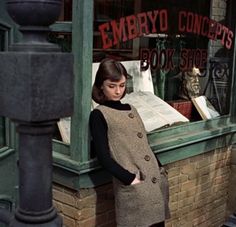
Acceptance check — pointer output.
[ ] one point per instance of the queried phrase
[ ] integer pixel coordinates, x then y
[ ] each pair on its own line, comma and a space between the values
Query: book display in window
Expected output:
205, 108
154, 112
183, 106
64, 128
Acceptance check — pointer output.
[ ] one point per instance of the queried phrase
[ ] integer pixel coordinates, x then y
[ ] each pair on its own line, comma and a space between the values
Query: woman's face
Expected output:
114, 90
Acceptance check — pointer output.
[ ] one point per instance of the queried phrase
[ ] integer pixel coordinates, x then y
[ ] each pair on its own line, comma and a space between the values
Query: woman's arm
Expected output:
98, 128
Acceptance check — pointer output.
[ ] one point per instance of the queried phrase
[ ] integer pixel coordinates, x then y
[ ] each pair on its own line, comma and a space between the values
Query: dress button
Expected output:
140, 135
131, 115
147, 157
154, 180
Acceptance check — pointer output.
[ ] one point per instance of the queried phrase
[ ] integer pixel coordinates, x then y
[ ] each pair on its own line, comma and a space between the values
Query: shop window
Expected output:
186, 45
167, 38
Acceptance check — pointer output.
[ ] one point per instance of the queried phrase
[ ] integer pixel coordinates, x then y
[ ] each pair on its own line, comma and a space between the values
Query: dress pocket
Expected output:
140, 176
131, 196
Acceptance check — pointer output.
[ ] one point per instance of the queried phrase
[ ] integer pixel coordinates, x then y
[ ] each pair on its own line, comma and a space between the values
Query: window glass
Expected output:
66, 12
186, 47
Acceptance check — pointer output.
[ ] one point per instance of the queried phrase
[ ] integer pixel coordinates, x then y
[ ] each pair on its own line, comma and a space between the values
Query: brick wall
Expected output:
218, 13
199, 189
198, 195
87, 207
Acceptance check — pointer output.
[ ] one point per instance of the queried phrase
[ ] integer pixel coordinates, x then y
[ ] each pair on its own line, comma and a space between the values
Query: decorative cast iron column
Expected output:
36, 82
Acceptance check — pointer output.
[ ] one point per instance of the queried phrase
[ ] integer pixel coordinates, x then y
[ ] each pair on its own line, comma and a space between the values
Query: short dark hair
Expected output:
108, 69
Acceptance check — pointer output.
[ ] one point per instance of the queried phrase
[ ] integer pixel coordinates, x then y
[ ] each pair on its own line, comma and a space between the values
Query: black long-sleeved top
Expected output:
98, 128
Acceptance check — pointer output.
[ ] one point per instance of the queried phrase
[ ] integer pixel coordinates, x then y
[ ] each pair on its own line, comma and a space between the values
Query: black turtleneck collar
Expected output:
117, 105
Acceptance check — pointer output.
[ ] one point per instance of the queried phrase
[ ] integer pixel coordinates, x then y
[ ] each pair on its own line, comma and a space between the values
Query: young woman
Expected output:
122, 148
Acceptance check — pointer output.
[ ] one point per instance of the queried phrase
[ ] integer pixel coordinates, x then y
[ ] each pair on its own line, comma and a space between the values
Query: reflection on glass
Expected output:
171, 39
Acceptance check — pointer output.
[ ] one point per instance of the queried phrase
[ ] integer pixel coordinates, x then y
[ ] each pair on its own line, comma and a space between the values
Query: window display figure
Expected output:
120, 142
190, 86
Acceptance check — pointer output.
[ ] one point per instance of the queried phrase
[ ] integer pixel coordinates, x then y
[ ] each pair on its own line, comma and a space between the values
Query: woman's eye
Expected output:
111, 86
122, 85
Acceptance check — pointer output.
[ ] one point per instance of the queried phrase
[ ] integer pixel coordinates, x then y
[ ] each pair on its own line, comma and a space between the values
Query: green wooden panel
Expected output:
189, 133
199, 147
2, 132
82, 45
61, 147
65, 26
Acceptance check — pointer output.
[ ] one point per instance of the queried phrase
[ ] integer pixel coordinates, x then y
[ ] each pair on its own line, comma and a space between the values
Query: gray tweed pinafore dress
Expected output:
145, 203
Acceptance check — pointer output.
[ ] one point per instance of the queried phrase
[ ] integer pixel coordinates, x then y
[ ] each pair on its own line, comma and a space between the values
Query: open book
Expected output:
154, 112
204, 107
64, 128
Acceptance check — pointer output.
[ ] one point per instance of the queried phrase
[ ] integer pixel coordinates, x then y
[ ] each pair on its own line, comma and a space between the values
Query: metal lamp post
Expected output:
36, 90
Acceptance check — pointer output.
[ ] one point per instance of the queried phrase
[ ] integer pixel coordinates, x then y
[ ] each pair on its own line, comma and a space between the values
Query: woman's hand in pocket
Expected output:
135, 181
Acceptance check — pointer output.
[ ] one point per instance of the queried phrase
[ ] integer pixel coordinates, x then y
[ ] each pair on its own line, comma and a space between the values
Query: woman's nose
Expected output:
117, 90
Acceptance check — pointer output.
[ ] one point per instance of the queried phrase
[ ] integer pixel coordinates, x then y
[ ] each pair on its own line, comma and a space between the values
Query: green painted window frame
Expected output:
2, 132
72, 165
4, 29
7, 128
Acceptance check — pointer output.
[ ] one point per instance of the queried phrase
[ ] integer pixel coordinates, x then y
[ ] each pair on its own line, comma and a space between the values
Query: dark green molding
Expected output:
173, 137
63, 26
61, 147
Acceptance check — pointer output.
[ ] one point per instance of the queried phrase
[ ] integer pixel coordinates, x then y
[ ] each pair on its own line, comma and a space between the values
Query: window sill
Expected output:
169, 145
